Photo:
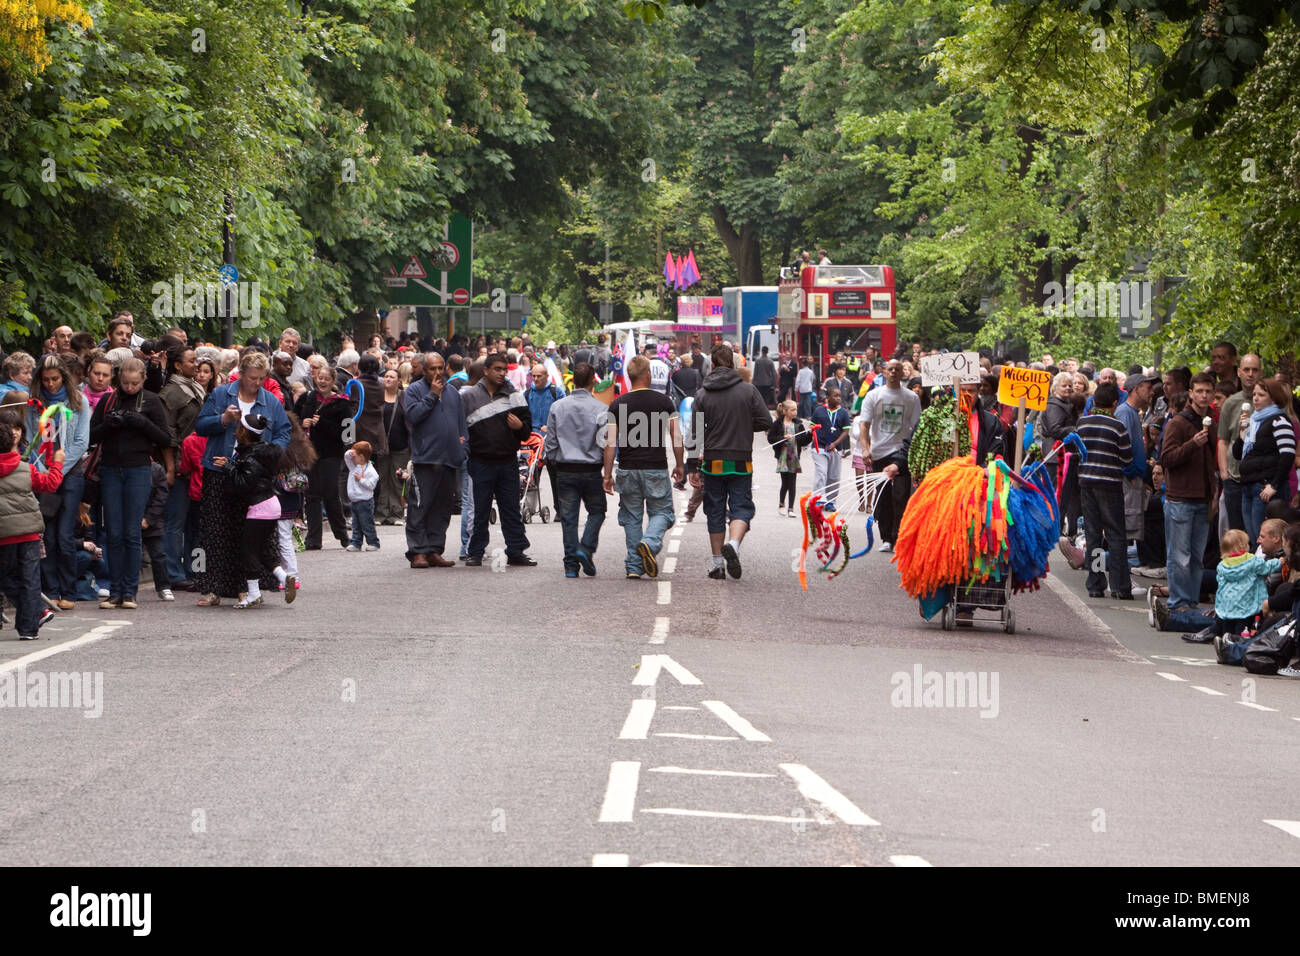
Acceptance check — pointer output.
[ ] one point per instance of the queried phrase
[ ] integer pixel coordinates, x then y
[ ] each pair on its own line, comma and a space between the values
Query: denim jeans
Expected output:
585, 488
466, 508
1103, 517
363, 523
499, 480
1253, 509
728, 498
174, 523
1186, 528
59, 568
806, 405
20, 581
125, 494
1232, 489
648, 491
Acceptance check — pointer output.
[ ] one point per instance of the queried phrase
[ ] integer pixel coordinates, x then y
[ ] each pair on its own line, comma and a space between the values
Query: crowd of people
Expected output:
223, 465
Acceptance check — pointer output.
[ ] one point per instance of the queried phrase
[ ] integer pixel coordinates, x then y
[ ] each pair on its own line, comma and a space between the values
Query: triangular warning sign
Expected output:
392, 271
414, 270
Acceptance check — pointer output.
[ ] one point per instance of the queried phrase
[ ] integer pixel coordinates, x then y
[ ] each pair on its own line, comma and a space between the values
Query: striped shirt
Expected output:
1109, 449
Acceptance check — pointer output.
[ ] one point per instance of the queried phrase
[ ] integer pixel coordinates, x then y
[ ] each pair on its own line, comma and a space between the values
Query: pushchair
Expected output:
530, 474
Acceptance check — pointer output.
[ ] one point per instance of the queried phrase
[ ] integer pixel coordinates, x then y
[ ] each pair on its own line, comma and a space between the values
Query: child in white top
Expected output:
363, 479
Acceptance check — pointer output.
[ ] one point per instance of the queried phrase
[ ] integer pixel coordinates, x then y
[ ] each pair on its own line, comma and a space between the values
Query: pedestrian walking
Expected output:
832, 429
889, 418
435, 424
573, 447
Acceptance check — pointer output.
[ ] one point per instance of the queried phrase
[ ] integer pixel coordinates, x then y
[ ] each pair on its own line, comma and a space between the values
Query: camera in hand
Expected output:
116, 419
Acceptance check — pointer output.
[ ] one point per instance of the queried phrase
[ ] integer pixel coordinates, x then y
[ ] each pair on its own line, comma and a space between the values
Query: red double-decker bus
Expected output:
829, 309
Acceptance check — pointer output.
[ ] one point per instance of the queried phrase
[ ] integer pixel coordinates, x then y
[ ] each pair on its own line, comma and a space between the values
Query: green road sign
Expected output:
439, 277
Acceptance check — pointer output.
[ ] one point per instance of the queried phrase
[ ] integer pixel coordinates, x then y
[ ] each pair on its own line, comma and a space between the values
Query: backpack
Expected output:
1271, 649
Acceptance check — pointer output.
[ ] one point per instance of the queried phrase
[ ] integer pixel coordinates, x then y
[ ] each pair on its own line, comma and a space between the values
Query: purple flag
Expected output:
692, 273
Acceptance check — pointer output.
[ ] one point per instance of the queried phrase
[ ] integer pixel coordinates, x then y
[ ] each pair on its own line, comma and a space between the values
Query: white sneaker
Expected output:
166, 595
372, 547
885, 546
353, 547
1288, 672
103, 594
1139, 592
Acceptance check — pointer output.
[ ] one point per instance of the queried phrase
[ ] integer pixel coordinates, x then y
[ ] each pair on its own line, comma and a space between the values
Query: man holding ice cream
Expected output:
1189, 458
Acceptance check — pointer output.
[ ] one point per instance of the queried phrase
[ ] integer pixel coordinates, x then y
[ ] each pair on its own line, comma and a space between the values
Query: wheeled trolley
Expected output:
987, 597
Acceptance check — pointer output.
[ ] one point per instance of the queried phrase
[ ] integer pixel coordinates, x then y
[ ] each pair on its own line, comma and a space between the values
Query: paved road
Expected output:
469, 716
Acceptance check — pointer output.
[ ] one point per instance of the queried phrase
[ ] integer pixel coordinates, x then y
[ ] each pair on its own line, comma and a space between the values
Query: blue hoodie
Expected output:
1242, 585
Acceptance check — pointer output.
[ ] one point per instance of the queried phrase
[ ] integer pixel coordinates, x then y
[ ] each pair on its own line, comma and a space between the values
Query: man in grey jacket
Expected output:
573, 442
436, 425
728, 410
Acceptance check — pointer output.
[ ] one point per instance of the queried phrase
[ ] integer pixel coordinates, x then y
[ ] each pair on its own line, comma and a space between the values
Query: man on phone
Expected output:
435, 423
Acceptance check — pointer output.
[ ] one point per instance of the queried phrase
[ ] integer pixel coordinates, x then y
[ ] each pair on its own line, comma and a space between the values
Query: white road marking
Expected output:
665, 591
1189, 661
709, 773
1170, 676
820, 792
90, 637
1255, 706
909, 861
665, 863
638, 720
652, 664
674, 545
1286, 826
677, 531
669, 566
660, 633
1090, 619
737, 723
620, 793
721, 815
1207, 690
696, 736
687, 707
609, 859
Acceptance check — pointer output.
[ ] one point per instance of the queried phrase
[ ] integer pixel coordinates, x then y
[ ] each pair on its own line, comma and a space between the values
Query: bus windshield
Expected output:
849, 275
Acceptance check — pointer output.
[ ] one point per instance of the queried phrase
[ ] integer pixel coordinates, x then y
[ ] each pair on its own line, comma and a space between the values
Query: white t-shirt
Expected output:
659, 373
244, 407
893, 414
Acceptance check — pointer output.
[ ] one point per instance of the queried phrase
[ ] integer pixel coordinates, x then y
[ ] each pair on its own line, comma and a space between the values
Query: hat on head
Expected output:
254, 423
550, 345
1136, 379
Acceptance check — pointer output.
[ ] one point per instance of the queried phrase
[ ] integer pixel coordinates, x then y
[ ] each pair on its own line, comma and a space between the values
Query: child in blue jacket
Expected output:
1242, 584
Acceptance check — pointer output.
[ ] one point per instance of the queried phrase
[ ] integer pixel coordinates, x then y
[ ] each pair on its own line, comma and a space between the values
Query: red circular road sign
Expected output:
460, 296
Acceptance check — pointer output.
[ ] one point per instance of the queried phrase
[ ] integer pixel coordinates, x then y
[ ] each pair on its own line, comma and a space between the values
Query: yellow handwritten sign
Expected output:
1032, 385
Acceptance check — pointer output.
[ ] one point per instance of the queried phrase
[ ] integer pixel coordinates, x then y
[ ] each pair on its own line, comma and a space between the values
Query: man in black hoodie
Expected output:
497, 419
728, 410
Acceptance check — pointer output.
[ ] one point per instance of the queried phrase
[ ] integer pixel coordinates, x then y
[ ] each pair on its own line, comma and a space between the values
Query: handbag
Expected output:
92, 457
293, 481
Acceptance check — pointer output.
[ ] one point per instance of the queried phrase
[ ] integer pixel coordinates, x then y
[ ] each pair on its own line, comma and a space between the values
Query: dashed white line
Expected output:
1254, 706
722, 815
674, 545
620, 792
695, 736
651, 664
665, 591
737, 723
1167, 676
1207, 690
710, 773
638, 720
1286, 826
904, 860
820, 792
669, 566
688, 707
660, 632
609, 859
90, 637
677, 531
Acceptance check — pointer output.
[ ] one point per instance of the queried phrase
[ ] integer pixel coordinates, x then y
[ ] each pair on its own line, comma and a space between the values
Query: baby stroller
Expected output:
530, 474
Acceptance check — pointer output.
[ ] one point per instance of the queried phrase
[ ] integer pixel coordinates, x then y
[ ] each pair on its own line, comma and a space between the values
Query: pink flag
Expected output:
670, 270
681, 273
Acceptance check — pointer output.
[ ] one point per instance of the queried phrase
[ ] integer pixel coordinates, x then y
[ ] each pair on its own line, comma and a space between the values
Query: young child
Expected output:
362, 481
252, 477
24, 527
788, 436
290, 483
1242, 584
151, 532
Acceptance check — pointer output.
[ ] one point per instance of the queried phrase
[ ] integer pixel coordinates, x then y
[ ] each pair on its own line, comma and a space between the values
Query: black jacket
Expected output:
327, 434
776, 435
731, 411
994, 439
1268, 463
370, 426
130, 428
252, 472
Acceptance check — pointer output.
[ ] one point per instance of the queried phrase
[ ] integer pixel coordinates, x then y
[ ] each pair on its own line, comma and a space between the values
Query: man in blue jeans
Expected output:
641, 423
497, 421
574, 426
1188, 456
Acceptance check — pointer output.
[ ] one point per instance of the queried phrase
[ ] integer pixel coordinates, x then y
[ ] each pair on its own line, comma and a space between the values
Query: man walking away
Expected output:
832, 430
573, 444
805, 385
728, 410
765, 378
541, 396
1101, 485
435, 424
890, 414
660, 371
497, 421
640, 424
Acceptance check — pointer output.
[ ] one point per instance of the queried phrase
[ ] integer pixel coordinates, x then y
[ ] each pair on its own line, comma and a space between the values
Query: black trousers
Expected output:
893, 498
1106, 551
788, 479
1232, 501
253, 542
323, 488
430, 498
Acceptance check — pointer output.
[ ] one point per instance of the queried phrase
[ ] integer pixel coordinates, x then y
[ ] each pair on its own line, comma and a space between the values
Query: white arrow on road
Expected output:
652, 664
